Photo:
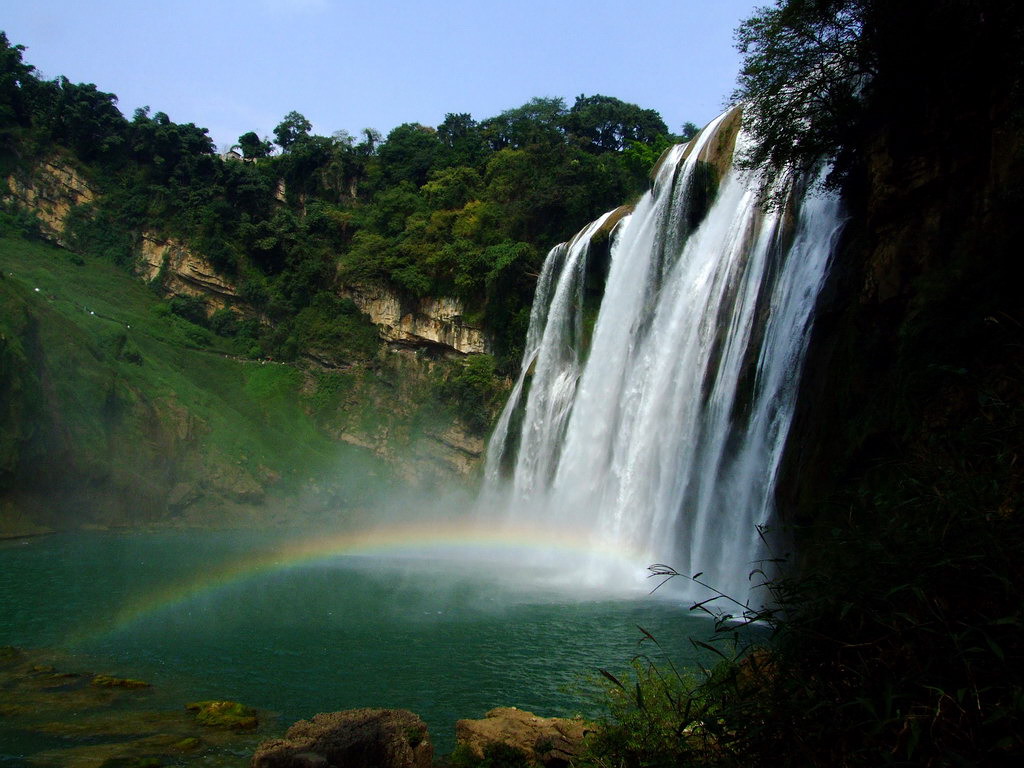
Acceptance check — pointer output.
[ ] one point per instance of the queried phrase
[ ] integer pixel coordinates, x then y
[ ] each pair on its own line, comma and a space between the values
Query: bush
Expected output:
200, 337
336, 325
655, 718
899, 641
192, 308
473, 391
15, 222
224, 322
100, 232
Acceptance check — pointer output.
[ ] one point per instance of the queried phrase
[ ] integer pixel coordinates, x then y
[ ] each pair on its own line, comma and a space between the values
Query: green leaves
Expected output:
292, 130
806, 66
606, 124
466, 209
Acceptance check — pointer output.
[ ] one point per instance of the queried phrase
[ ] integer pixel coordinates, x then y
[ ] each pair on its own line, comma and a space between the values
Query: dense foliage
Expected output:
467, 208
820, 77
807, 66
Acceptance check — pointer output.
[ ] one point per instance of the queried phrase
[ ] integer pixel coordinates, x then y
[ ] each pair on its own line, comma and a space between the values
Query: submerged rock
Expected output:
224, 714
60, 719
356, 738
549, 741
106, 681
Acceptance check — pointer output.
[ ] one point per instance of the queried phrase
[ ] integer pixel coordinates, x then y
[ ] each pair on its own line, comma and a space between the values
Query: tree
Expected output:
538, 121
640, 158
452, 187
806, 69
607, 124
292, 129
461, 136
81, 117
14, 75
368, 146
253, 146
410, 152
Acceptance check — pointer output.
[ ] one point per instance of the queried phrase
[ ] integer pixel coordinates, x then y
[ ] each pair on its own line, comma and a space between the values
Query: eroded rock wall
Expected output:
50, 189
427, 321
182, 272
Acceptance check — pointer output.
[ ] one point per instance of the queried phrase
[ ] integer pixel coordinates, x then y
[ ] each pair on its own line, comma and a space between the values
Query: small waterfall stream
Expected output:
662, 440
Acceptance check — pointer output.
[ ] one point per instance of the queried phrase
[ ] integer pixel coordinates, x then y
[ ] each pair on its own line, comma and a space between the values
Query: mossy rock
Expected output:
188, 744
106, 681
224, 714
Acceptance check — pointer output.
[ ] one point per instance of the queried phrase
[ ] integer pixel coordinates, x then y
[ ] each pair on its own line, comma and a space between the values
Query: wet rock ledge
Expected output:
397, 738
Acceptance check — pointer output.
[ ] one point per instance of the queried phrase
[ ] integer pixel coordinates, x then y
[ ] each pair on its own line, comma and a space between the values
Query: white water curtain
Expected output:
665, 441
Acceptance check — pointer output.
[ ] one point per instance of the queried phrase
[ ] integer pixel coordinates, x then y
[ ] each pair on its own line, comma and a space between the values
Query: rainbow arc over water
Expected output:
426, 541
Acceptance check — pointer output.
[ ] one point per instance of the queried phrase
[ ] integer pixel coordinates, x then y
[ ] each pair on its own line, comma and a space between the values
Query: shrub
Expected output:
192, 308
224, 322
473, 391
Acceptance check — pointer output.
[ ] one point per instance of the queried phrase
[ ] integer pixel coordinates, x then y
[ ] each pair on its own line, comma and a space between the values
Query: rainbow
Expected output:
422, 539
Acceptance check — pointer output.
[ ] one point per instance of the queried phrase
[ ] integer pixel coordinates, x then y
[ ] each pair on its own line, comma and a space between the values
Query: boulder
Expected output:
549, 741
356, 738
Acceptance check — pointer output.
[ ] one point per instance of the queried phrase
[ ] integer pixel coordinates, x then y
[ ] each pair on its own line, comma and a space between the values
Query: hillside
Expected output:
311, 317
117, 411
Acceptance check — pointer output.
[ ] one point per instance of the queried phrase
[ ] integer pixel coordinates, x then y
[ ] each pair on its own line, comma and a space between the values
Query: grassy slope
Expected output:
114, 410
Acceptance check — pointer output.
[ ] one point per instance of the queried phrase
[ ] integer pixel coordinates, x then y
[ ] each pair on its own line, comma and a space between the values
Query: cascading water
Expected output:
665, 442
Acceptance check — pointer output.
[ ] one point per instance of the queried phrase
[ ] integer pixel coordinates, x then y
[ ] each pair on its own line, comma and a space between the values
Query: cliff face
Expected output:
50, 189
424, 322
914, 370
183, 272
108, 446
109, 418
384, 412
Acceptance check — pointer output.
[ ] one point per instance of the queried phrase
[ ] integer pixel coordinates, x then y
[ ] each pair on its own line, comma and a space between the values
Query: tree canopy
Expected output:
806, 67
466, 208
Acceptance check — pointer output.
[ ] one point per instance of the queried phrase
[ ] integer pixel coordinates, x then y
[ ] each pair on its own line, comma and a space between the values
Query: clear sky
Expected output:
240, 65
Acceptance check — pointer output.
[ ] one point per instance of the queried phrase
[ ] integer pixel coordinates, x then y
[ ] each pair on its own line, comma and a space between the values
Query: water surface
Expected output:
445, 637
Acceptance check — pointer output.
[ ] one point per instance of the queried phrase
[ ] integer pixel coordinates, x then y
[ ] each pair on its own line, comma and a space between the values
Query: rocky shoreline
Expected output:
71, 719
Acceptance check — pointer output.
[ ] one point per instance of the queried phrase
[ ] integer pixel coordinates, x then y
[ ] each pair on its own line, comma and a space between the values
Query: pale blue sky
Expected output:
233, 66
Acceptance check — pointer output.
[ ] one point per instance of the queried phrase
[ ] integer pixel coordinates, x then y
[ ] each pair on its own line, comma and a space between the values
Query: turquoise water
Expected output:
445, 638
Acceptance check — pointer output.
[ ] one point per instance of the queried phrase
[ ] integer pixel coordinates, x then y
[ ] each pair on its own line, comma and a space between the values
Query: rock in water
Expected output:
549, 741
224, 714
355, 738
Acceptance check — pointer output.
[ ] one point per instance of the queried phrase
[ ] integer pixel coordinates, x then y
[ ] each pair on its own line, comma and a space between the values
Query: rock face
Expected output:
919, 324
357, 738
183, 272
549, 741
418, 322
460, 451
50, 190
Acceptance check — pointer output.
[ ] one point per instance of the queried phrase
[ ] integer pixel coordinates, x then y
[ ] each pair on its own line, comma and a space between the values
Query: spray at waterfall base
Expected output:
662, 432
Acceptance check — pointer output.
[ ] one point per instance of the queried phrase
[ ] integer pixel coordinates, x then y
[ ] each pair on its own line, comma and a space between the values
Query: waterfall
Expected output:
662, 439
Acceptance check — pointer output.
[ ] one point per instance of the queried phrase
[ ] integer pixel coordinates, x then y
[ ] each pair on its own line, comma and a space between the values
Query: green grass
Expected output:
116, 410
112, 388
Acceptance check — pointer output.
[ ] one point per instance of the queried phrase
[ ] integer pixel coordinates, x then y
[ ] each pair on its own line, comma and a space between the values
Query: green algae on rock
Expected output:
224, 714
